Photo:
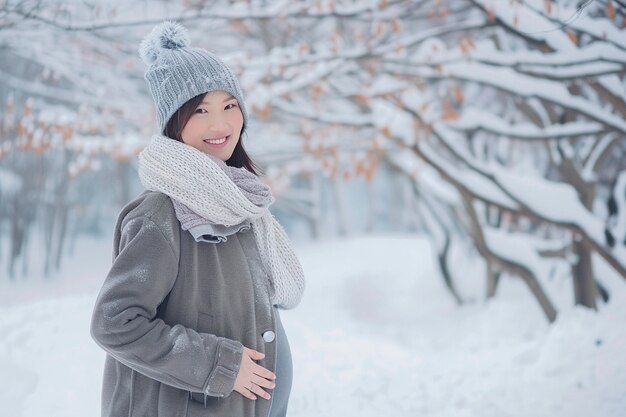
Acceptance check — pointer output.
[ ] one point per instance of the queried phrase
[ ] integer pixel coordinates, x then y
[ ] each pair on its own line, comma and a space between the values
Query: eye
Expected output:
200, 110
231, 104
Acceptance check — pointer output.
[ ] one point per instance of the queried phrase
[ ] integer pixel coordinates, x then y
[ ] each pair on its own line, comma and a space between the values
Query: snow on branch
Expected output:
237, 11
349, 119
551, 33
472, 119
565, 17
570, 72
478, 185
518, 249
555, 202
508, 80
486, 52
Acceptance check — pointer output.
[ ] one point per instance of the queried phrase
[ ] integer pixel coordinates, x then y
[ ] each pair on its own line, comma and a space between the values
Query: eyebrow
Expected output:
230, 97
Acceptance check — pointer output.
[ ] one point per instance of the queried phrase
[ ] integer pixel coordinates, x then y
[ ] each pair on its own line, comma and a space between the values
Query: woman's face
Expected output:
215, 125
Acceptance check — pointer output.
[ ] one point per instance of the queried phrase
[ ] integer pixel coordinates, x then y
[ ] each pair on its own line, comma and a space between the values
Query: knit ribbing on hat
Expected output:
177, 72
203, 184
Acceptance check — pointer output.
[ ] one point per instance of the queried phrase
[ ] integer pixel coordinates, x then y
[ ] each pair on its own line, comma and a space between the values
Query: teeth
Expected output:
216, 141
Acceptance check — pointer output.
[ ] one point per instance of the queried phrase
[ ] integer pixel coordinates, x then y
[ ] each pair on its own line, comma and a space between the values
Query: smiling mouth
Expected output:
216, 141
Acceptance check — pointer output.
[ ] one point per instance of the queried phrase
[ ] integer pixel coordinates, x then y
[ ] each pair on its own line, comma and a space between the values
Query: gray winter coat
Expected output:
173, 314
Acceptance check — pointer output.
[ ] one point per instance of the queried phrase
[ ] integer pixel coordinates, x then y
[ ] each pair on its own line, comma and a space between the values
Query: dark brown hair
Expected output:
177, 122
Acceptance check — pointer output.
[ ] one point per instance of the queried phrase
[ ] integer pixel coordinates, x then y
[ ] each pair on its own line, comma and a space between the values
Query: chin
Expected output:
222, 156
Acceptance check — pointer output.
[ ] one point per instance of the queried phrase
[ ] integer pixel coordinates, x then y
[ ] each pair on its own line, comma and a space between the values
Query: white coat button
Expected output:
269, 336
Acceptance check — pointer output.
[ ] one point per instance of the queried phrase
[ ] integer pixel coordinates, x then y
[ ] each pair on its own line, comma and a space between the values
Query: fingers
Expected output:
263, 372
260, 391
257, 384
247, 393
253, 378
252, 390
256, 368
262, 382
254, 354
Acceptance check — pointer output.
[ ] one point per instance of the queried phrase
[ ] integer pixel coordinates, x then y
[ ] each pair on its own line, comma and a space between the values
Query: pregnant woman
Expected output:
189, 311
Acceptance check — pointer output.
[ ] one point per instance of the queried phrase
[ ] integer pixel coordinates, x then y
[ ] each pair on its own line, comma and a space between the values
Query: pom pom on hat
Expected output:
167, 35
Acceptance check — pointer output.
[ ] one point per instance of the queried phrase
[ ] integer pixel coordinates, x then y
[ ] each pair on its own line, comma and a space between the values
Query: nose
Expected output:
218, 123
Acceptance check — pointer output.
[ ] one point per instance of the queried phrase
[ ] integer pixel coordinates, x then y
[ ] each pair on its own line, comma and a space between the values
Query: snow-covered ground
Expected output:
377, 334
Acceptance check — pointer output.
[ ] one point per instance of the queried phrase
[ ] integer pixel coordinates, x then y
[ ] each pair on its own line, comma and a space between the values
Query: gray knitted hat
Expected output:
176, 72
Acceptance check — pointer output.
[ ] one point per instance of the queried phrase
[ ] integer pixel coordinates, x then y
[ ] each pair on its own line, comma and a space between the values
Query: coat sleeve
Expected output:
125, 325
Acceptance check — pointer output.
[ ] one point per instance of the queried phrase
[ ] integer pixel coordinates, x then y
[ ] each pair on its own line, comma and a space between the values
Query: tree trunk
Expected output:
585, 291
493, 279
339, 206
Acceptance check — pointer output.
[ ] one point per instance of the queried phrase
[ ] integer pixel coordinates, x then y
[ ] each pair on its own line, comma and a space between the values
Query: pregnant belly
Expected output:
284, 371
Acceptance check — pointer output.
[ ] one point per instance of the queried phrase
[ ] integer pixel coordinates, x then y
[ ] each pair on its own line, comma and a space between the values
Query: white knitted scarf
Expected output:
200, 182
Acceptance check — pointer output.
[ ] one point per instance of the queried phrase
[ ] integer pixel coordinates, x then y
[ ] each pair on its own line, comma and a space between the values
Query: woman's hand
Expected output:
252, 378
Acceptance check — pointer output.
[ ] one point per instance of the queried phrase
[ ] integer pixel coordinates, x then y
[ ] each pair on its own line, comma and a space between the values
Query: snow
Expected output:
596, 52
377, 333
587, 69
607, 57
556, 201
473, 181
619, 226
589, 170
399, 123
529, 20
597, 27
321, 70
509, 80
353, 119
517, 249
427, 33
473, 118
43, 90
378, 337
10, 184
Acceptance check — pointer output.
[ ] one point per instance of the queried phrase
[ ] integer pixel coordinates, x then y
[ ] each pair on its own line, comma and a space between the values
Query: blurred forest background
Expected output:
496, 127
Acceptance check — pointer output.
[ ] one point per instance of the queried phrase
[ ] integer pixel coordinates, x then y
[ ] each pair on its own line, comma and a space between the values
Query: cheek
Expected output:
191, 130
236, 120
